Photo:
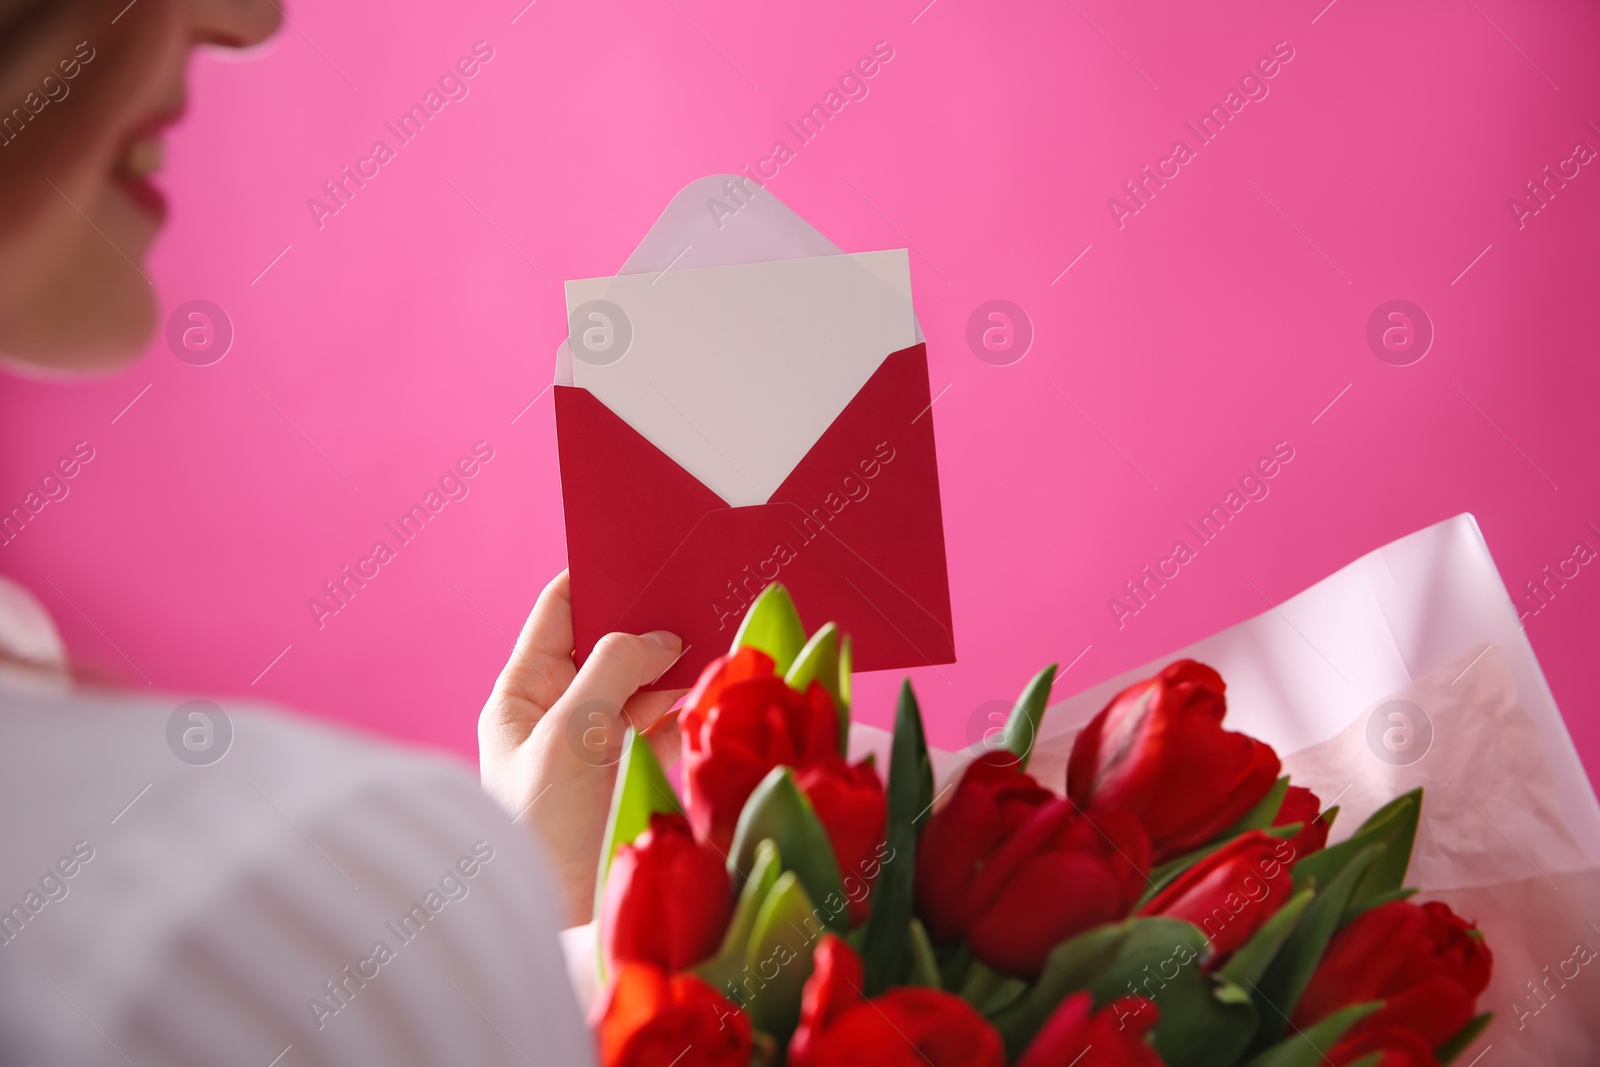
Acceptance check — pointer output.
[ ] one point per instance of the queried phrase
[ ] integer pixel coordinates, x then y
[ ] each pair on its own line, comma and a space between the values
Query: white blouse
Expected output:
311, 897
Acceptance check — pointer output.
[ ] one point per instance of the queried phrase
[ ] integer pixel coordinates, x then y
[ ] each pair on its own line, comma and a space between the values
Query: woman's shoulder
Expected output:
174, 849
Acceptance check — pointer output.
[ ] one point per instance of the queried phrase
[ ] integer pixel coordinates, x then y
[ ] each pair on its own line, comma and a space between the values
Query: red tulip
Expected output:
667, 898
1158, 751
992, 799
1231, 892
1399, 1048
742, 720
905, 1027
647, 1018
1015, 870
1077, 1036
1300, 805
851, 806
1424, 962
1058, 875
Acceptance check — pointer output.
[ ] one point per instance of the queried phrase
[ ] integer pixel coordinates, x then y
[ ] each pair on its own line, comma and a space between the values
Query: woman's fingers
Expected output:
644, 711
666, 739
614, 671
540, 668
536, 675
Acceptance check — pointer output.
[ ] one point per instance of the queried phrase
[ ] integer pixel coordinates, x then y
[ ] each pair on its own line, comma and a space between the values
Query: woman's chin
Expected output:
75, 345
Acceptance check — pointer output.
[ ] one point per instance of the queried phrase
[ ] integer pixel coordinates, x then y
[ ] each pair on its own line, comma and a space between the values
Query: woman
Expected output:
313, 897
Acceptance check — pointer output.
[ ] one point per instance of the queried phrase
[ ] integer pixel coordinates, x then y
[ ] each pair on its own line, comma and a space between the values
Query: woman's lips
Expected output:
141, 156
138, 161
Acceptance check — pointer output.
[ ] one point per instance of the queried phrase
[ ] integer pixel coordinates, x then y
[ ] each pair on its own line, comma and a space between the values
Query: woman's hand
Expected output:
550, 736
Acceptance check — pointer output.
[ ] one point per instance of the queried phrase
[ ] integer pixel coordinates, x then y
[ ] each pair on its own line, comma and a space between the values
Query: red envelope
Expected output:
855, 532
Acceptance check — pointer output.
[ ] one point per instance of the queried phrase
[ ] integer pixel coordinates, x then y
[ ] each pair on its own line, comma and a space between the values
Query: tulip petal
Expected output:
773, 625
1047, 900
1165, 874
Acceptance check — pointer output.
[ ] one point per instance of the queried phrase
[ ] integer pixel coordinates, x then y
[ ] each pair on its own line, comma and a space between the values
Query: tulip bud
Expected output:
1077, 1036
992, 864
906, 1027
991, 800
1423, 961
1397, 1047
1230, 893
667, 898
1158, 751
850, 804
740, 721
1019, 905
644, 1012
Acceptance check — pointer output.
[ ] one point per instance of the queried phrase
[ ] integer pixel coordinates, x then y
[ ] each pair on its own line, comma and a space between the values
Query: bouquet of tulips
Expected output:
1173, 901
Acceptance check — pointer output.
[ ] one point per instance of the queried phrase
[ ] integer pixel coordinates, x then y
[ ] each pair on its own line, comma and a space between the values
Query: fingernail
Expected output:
665, 638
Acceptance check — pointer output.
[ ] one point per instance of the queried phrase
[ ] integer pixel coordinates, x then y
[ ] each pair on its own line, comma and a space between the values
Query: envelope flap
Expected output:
706, 225
716, 221
722, 220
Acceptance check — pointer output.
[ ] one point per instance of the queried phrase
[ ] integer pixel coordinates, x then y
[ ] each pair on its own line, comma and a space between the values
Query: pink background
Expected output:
1221, 319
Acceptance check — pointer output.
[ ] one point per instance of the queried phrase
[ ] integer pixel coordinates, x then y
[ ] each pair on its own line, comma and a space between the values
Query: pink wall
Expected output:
1220, 319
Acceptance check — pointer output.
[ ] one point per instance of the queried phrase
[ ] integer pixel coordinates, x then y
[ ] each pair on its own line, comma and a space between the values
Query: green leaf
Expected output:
1022, 727
779, 811
955, 962
885, 952
1002, 997
642, 790
773, 625
980, 983
764, 871
1286, 977
1246, 966
1393, 828
781, 945
1395, 824
1309, 1047
1204, 1022
1462, 1039
819, 661
989, 991
924, 964
844, 673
